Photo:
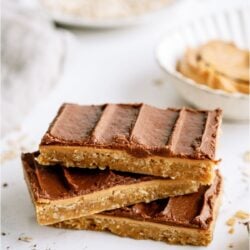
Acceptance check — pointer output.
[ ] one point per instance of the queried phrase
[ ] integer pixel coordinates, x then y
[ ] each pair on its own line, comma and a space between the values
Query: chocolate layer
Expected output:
137, 128
191, 210
58, 182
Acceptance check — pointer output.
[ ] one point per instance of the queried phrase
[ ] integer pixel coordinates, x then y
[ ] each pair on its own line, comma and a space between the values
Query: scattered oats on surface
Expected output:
158, 81
25, 238
231, 221
8, 155
239, 215
15, 146
16, 143
242, 215
246, 156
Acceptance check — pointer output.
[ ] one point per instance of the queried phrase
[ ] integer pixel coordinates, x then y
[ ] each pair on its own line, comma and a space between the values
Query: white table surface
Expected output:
117, 66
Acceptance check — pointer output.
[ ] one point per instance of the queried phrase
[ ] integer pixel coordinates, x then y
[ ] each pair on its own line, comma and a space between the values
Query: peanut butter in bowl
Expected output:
219, 65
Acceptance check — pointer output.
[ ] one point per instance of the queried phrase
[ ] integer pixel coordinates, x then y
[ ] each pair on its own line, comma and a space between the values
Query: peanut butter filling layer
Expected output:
201, 171
186, 219
61, 193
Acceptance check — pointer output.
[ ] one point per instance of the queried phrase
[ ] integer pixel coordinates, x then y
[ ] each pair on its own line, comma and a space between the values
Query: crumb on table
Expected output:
246, 156
8, 155
5, 184
239, 215
25, 238
231, 221
242, 215
159, 81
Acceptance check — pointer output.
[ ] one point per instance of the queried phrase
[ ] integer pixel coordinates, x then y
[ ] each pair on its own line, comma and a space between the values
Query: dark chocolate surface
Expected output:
139, 129
57, 182
190, 210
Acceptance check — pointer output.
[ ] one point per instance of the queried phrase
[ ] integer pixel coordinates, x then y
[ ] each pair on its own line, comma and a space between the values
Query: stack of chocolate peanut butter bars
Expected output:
131, 169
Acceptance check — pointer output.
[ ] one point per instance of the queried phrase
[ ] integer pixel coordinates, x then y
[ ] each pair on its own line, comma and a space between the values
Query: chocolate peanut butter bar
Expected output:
175, 143
60, 193
187, 219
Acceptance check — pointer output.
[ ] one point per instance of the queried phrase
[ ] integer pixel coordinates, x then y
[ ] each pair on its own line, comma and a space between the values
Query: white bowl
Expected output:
68, 18
230, 25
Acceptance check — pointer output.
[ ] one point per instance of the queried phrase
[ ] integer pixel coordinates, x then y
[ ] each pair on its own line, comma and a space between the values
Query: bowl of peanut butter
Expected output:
213, 70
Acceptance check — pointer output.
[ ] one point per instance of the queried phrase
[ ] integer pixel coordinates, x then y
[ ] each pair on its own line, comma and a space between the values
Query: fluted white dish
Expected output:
230, 25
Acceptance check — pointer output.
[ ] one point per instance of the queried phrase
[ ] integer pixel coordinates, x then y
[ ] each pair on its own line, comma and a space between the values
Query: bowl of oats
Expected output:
103, 13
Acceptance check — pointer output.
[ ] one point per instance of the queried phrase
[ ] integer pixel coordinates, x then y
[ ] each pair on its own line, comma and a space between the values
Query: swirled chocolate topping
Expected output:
139, 129
190, 210
57, 182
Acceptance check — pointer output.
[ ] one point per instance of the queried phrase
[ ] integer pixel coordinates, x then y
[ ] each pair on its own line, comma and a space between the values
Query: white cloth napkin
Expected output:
32, 55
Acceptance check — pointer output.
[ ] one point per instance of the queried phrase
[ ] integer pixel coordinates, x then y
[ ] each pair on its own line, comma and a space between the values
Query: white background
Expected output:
118, 66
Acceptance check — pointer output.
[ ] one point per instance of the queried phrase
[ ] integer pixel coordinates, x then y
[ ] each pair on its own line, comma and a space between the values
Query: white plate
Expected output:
230, 25
77, 21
